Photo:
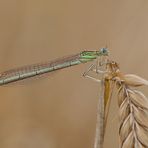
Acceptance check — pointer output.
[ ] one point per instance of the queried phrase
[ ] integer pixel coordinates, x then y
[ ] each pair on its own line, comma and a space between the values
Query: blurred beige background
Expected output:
59, 111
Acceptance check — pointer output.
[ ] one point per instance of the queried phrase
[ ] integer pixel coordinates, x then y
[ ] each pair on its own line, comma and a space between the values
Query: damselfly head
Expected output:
103, 51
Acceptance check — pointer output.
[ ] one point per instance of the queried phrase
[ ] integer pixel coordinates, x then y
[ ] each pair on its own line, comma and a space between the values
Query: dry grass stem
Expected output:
99, 137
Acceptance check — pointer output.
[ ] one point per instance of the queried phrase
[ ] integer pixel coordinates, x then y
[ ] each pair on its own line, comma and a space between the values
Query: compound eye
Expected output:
104, 50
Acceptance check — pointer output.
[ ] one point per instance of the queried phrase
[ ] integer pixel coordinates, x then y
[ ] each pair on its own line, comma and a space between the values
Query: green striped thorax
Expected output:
91, 55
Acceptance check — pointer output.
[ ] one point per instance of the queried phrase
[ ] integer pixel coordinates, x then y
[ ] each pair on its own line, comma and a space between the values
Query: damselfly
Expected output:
41, 68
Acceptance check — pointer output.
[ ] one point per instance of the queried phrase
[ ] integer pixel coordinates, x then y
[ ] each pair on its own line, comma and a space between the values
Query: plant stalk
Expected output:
100, 126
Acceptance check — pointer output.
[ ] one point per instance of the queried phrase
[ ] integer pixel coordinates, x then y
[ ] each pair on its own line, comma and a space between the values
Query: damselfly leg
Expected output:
98, 67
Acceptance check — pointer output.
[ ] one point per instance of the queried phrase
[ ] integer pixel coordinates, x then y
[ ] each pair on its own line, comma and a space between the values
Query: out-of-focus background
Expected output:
59, 111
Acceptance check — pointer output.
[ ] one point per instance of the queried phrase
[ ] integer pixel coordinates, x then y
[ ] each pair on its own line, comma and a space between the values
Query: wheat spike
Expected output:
133, 116
133, 108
